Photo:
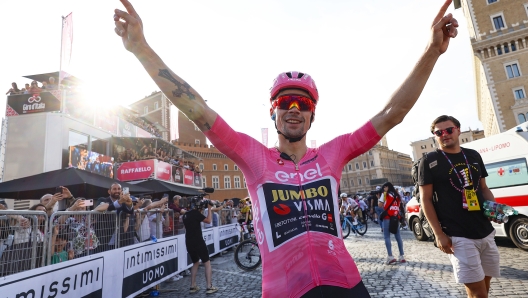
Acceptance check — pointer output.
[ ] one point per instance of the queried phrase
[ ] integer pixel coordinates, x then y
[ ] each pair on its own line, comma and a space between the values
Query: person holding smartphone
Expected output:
119, 202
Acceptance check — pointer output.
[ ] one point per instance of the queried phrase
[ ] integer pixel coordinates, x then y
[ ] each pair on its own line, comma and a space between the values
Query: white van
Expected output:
505, 156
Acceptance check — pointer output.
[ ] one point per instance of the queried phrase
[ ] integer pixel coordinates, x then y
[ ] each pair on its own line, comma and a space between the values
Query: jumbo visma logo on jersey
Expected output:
286, 209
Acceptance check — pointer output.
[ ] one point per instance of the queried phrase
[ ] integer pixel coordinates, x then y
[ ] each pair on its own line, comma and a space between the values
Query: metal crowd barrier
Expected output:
144, 225
23, 240
75, 234
25, 245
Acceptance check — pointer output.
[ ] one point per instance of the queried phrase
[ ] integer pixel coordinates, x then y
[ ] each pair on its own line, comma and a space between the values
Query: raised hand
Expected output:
129, 27
443, 29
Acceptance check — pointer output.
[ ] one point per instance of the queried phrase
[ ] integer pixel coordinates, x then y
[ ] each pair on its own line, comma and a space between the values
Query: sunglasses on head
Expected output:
441, 132
288, 102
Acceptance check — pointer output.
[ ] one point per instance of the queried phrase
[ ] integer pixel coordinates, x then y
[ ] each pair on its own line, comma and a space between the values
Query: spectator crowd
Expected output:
33, 87
90, 226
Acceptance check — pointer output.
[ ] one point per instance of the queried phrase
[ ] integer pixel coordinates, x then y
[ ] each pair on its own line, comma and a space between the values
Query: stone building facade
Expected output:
499, 38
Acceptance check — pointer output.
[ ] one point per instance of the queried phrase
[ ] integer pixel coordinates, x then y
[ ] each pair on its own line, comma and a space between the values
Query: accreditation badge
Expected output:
472, 201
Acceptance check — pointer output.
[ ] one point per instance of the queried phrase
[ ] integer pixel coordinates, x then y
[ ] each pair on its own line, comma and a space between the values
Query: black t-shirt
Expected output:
455, 220
372, 201
193, 230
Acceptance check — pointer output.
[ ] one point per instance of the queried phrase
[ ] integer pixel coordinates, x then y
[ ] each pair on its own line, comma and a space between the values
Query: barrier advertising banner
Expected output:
22, 104
136, 170
178, 174
126, 129
188, 177
126, 271
197, 179
163, 171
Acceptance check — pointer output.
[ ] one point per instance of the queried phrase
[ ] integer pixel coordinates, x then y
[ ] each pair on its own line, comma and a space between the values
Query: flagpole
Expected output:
60, 66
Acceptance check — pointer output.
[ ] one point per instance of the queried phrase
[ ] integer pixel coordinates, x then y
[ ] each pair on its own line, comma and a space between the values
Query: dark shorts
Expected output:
198, 251
359, 291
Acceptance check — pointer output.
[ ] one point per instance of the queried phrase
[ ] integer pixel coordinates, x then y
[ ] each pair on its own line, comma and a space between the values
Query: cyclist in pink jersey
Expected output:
293, 188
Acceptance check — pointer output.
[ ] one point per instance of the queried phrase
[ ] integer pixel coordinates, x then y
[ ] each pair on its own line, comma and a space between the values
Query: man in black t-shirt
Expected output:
457, 176
196, 245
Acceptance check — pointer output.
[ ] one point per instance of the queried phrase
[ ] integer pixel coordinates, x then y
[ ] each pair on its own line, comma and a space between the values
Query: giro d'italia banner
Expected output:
24, 104
122, 272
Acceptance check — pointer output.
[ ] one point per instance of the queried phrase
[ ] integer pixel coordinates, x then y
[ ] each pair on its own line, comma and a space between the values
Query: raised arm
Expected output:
444, 28
130, 28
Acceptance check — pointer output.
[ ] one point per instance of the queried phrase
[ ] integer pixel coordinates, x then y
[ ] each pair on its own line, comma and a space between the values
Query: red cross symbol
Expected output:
500, 171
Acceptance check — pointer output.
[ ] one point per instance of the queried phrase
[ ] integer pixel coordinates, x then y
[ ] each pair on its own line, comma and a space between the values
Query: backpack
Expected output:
430, 157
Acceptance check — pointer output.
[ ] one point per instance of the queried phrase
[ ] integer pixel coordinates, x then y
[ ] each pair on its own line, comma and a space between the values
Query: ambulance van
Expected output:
505, 156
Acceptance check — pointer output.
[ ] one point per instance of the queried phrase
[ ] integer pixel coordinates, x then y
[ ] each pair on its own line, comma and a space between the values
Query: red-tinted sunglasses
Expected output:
288, 102
441, 132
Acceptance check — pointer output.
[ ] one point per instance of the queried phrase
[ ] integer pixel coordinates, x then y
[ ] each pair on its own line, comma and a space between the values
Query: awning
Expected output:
68, 80
158, 186
80, 183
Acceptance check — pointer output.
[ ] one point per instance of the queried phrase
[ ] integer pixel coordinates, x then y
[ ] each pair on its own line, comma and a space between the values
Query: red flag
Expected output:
66, 45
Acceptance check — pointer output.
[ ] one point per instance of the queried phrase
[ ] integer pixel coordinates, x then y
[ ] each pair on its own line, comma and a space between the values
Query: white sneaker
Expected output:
177, 277
390, 260
401, 259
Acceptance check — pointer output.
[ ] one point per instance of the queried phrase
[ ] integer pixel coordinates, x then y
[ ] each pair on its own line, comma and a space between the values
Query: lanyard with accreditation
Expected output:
469, 196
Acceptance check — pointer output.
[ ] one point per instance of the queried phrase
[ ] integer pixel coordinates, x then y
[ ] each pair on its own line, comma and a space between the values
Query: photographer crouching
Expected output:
196, 244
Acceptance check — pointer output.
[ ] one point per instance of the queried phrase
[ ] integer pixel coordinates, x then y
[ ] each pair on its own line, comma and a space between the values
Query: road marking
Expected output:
239, 274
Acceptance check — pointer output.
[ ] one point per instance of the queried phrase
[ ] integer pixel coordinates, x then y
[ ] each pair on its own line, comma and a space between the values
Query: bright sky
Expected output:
358, 52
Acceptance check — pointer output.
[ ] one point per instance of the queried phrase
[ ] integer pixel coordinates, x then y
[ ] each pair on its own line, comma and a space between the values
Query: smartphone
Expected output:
58, 189
86, 203
125, 190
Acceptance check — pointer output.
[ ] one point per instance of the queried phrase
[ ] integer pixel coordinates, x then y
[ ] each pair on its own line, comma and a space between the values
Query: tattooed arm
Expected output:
130, 28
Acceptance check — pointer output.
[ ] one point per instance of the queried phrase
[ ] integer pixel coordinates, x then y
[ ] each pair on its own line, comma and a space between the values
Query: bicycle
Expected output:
247, 253
347, 226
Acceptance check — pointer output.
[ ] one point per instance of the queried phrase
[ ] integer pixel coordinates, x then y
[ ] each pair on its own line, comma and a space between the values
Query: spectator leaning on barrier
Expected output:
216, 217
13, 90
50, 200
120, 203
59, 240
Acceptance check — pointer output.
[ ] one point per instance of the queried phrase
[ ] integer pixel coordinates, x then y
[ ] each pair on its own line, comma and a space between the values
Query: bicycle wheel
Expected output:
346, 229
247, 255
361, 228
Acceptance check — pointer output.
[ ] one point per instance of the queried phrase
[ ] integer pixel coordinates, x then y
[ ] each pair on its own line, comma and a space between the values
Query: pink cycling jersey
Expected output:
286, 198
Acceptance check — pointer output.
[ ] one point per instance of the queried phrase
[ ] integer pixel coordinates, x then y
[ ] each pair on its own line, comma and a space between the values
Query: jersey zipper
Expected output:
315, 275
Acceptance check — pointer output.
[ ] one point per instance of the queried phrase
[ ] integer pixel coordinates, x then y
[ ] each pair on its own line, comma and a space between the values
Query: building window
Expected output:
227, 182
203, 181
366, 181
156, 105
349, 167
236, 180
424, 153
145, 110
344, 169
423, 147
344, 183
201, 166
498, 21
364, 164
351, 182
492, 1
357, 165
512, 70
519, 93
214, 167
245, 186
371, 163
197, 142
522, 118
370, 152
216, 183
236, 168
226, 167
359, 181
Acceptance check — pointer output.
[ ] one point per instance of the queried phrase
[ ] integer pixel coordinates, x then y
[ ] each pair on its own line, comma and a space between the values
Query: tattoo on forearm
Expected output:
182, 88
207, 126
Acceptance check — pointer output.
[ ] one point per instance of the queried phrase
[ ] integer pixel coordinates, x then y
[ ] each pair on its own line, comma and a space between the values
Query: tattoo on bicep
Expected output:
182, 88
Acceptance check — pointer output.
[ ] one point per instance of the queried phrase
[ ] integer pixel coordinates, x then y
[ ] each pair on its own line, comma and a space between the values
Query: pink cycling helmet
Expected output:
296, 80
